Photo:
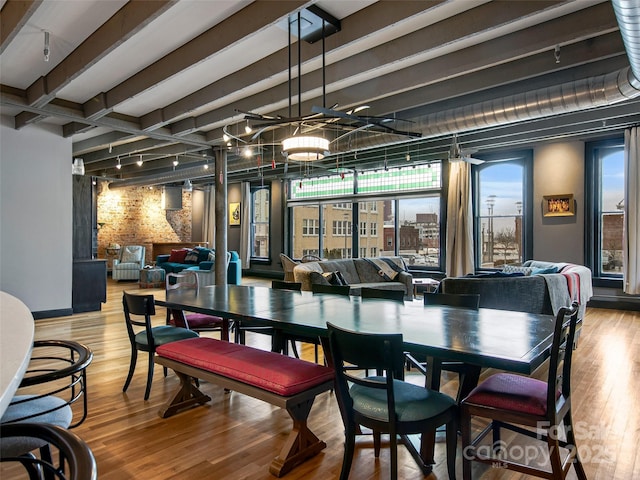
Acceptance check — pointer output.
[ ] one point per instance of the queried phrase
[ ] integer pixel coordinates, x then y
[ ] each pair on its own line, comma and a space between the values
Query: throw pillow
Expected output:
178, 256
515, 269
331, 278
542, 271
340, 277
318, 278
191, 257
212, 256
203, 254
131, 255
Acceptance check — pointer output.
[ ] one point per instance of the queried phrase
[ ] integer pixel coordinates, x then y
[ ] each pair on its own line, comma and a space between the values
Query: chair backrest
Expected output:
353, 351
396, 295
333, 289
140, 306
559, 379
287, 266
183, 280
133, 254
278, 285
74, 461
59, 368
452, 299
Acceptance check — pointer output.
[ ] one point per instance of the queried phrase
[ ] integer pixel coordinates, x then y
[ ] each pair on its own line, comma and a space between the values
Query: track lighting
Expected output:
139, 162
247, 128
118, 165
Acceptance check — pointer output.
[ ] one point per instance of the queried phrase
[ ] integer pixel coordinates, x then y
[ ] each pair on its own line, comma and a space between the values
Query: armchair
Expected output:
129, 263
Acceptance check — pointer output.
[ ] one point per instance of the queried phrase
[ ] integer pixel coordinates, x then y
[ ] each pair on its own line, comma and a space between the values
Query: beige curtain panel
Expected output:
631, 234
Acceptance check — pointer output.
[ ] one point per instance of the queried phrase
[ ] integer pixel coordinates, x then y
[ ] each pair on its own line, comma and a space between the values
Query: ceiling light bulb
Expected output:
247, 152
225, 137
139, 162
118, 165
247, 128
175, 162
206, 166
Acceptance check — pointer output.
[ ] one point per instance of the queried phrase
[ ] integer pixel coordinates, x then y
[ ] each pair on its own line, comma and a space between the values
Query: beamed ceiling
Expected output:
158, 81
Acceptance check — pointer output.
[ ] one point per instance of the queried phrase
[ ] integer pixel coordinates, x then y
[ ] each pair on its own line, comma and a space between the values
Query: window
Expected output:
310, 226
376, 195
502, 210
605, 202
260, 207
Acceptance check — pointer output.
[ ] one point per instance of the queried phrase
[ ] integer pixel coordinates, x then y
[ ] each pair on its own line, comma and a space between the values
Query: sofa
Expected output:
388, 273
533, 287
129, 263
199, 258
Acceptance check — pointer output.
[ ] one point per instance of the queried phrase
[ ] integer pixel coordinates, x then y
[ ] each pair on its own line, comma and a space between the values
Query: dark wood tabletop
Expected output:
514, 341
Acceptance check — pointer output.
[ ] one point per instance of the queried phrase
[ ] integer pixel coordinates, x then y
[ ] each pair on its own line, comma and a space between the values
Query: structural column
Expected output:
221, 216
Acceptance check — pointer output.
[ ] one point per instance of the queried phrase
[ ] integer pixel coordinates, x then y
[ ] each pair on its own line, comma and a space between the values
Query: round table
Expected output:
16, 343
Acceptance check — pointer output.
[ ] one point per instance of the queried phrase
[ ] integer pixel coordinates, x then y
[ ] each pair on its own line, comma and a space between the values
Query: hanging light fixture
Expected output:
188, 186
78, 167
305, 148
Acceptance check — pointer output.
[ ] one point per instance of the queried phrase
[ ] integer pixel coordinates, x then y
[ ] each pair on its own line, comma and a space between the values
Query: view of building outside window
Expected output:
499, 215
376, 223
260, 222
419, 233
611, 210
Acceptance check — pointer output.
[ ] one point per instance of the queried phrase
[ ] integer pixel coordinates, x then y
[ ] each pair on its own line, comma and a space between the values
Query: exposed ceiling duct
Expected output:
628, 17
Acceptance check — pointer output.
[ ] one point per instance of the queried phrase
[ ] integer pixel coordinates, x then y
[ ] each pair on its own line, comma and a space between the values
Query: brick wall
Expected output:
134, 216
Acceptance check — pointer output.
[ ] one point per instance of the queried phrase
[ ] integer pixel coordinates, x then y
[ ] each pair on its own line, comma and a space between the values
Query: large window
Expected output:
367, 224
260, 206
502, 206
605, 204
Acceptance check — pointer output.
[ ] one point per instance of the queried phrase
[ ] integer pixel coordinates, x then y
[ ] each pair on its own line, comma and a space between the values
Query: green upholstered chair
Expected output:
384, 403
138, 310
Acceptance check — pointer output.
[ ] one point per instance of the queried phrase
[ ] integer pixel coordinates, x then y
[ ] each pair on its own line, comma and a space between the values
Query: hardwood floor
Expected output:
236, 437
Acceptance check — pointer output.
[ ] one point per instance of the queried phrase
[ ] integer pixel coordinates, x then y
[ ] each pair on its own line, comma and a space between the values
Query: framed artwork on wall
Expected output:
558, 205
234, 213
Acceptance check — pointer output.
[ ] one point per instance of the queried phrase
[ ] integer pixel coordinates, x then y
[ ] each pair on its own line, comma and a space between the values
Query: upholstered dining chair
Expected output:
129, 264
74, 459
384, 403
138, 310
539, 409
198, 322
288, 264
343, 290
53, 391
467, 374
396, 295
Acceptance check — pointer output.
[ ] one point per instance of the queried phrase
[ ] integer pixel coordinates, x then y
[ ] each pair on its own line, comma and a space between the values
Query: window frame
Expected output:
517, 157
252, 231
593, 231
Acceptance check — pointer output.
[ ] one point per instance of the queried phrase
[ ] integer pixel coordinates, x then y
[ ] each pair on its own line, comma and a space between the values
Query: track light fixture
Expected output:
118, 165
47, 50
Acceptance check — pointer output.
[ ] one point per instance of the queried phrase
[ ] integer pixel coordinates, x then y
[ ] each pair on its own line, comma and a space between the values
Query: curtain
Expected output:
460, 254
631, 234
245, 225
209, 220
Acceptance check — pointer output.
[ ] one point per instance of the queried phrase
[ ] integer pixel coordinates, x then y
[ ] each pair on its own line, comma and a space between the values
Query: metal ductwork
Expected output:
628, 17
564, 98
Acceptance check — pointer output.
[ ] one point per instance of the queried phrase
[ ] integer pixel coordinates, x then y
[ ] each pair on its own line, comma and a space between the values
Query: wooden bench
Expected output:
282, 381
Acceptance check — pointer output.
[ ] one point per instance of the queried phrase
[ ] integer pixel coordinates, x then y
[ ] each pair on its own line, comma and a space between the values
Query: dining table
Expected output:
16, 344
514, 341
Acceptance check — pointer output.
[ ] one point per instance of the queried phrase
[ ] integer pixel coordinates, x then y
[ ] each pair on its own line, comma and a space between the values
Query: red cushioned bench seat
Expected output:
286, 382
270, 371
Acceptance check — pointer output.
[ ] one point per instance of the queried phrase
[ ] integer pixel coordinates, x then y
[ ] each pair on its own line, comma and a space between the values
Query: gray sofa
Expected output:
357, 272
533, 293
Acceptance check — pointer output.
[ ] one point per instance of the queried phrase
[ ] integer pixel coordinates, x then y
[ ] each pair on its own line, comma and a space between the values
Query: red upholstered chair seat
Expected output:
200, 320
506, 391
270, 371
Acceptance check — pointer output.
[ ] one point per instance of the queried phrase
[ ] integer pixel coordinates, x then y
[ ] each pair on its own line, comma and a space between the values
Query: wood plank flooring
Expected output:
236, 437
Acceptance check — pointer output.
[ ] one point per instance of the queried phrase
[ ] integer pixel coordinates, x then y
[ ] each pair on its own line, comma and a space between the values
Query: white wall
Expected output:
558, 168
36, 215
